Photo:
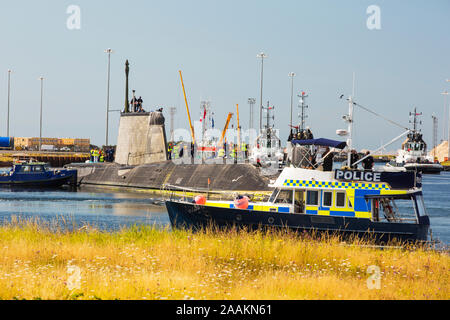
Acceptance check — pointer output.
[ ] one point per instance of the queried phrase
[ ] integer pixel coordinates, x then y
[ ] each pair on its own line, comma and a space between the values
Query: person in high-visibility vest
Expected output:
221, 153
233, 153
244, 149
96, 154
169, 151
92, 155
175, 151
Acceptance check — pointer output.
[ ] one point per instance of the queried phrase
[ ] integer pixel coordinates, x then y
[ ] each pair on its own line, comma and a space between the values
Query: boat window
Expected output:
327, 198
38, 169
375, 209
274, 195
340, 199
421, 206
285, 196
312, 197
25, 169
299, 202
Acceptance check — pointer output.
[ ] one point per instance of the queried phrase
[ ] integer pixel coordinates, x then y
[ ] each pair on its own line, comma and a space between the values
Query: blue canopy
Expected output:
321, 142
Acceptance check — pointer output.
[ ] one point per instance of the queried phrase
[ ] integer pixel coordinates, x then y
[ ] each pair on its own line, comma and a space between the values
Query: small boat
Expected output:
380, 205
37, 174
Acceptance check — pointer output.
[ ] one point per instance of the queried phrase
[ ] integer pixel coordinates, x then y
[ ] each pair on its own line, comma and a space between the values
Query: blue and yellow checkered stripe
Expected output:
335, 185
255, 207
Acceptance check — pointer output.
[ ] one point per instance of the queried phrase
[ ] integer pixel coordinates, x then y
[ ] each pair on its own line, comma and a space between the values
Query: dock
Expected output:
56, 159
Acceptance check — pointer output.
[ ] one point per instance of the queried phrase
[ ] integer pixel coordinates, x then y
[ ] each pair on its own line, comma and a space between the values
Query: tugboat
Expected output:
413, 154
36, 174
344, 202
267, 151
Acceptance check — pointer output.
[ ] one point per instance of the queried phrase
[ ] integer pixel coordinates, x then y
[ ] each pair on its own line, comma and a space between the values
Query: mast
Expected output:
302, 113
415, 122
350, 123
350, 130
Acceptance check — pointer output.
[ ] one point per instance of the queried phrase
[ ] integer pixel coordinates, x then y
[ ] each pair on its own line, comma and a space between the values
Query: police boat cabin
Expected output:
383, 205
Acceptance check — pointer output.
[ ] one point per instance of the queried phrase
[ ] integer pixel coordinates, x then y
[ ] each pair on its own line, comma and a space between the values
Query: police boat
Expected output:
37, 174
380, 205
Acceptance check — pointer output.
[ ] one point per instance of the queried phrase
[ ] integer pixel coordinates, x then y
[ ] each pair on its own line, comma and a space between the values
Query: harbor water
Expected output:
112, 210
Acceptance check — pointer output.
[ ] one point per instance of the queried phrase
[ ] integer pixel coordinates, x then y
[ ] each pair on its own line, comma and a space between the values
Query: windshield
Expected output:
394, 209
274, 195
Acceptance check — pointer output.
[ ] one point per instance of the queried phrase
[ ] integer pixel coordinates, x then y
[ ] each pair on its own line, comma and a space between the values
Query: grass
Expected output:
39, 262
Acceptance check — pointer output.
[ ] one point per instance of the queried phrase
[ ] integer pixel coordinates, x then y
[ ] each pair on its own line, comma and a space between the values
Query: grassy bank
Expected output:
150, 263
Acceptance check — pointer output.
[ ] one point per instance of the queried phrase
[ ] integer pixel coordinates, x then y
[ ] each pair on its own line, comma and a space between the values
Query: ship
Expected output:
347, 203
413, 153
37, 175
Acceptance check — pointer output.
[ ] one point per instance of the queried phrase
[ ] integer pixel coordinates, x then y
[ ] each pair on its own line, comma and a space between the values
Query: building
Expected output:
52, 144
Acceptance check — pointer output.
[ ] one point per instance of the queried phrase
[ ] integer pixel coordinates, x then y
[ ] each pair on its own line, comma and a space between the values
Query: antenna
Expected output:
415, 122
268, 117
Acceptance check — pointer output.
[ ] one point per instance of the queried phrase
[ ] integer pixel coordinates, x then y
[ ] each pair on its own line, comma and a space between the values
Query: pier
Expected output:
56, 159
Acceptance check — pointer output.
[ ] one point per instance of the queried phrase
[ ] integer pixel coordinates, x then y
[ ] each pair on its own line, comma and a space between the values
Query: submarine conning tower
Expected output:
142, 135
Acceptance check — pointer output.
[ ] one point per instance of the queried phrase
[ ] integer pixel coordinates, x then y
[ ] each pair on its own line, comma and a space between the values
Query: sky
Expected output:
400, 65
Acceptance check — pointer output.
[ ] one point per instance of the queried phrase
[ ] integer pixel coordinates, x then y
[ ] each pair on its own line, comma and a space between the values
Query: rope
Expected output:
379, 115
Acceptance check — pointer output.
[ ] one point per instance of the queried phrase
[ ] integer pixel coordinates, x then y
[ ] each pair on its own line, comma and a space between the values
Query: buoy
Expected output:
200, 199
241, 202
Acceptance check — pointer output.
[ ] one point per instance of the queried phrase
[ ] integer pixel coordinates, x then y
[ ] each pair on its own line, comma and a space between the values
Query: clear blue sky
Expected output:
215, 43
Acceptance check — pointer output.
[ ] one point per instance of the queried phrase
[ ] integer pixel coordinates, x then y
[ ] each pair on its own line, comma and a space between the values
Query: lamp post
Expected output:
261, 55
292, 75
40, 122
444, 122
9, 94
108, 51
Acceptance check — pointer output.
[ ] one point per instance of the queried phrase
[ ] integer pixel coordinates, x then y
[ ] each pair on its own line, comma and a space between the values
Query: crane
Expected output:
187, 109
225, 128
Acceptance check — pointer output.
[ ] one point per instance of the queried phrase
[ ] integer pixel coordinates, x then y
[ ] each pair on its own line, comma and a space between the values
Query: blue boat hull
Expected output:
45, 180
191, 216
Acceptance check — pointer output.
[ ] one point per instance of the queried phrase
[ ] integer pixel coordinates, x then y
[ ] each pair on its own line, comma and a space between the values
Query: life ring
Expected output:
200, 200
241, 202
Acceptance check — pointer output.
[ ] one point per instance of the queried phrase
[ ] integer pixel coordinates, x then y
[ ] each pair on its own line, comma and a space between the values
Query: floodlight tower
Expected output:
173, 110
108, 51
251, 102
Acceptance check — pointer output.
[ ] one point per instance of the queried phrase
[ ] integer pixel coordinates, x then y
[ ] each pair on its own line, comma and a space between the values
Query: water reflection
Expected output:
110, 210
